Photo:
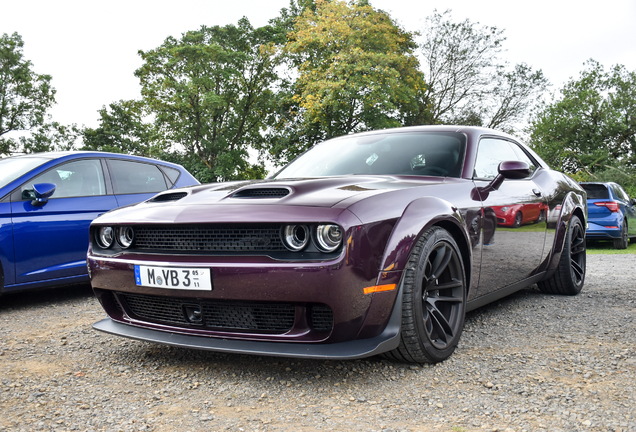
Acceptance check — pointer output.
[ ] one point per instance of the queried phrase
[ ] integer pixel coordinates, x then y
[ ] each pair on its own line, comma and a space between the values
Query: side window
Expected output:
73, 179
620, 193
135, 177
492, 152
172, 174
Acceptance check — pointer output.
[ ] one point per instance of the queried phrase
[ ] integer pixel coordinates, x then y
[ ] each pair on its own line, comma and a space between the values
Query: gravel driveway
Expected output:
528, 362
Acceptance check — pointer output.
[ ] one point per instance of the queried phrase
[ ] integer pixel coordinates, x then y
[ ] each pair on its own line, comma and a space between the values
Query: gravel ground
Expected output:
528, 362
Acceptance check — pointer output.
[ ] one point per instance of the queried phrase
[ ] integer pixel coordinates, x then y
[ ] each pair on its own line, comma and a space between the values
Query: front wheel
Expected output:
433, 300
569, 276
517, 222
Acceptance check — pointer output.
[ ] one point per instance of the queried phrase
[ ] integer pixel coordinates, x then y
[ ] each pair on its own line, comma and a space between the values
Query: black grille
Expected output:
257, 317
173, 196
209, 238
321, 318
262, 193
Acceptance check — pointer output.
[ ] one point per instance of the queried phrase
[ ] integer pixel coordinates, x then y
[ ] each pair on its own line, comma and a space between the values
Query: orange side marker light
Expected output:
379, 288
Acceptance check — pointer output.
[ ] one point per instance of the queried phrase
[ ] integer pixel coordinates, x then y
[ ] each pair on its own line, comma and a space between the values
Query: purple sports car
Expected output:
377, 242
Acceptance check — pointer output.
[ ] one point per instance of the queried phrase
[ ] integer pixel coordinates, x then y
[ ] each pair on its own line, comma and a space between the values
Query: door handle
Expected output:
537, 192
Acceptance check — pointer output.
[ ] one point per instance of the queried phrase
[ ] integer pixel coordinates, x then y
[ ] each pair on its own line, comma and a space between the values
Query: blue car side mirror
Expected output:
43, 192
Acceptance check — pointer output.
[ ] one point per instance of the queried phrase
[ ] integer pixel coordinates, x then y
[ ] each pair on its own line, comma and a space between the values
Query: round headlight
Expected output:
328, 237
295, 237
125, 236
105, 237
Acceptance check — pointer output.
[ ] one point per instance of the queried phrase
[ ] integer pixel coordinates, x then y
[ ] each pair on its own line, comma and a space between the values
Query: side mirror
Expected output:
507, 170
514, 169
43, 192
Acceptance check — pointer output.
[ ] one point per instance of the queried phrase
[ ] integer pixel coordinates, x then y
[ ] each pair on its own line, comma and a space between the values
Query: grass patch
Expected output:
607, 248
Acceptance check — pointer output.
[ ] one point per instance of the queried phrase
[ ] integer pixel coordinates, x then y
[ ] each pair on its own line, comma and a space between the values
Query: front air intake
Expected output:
172, 196
262, 193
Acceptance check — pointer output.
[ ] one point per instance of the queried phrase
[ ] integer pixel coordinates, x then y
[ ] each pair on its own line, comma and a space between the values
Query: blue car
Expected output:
611, 214
48, 200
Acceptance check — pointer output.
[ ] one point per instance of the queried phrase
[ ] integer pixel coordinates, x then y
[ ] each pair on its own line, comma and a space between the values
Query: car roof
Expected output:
61, 154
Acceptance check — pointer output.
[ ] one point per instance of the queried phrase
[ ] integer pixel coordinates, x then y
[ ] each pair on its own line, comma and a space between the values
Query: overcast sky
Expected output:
90, 47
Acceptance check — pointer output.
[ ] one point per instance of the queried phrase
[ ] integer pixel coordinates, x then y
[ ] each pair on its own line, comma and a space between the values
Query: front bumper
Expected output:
359, 348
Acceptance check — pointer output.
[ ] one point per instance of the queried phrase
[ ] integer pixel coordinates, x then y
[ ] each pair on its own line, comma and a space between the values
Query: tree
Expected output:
467, 83
123, 129
25, 96
591, 127
355, 71
210, 94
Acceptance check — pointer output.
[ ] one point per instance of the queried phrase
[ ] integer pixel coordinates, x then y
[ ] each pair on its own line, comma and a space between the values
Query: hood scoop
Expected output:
256, 193
171, 196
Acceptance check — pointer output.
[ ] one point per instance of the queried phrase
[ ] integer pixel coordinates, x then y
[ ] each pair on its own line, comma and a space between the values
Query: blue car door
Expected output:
51, 239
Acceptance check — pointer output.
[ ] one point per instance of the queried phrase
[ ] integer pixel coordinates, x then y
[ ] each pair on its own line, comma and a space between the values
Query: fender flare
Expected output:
418, 216
573, 204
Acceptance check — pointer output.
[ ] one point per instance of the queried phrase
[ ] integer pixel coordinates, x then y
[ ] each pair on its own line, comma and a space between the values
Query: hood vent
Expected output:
172, 196
262, 193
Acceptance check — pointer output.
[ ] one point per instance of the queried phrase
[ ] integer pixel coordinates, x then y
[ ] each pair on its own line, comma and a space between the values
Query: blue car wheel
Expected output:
623, 240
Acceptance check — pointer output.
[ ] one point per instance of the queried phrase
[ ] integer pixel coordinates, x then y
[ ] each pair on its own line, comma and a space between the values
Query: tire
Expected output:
623, 241
433, 300
517, 221
569, 277
541, 217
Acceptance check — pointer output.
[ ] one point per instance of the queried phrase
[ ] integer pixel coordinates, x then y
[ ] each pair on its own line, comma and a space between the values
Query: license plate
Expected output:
173, 277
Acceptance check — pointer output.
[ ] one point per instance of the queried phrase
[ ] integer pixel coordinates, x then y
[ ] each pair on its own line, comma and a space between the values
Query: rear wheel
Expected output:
433, 301
569, 276
623, 241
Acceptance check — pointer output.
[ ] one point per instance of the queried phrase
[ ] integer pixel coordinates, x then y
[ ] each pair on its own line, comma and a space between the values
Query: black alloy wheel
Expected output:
569, 276
518, 219
623, 241
433, 301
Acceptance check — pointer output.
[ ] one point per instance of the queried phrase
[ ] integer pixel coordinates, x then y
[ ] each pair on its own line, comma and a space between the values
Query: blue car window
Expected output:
74, 179
134, 177
596, 191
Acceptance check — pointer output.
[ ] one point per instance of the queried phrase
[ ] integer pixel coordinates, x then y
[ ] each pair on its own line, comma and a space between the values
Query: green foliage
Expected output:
591, 128
210, 94
50, 136
355, 71
467, 82
24, 97
123, 130
607, 248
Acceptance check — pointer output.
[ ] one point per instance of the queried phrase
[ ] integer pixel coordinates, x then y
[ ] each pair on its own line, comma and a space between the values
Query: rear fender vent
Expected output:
262, 193
172, 196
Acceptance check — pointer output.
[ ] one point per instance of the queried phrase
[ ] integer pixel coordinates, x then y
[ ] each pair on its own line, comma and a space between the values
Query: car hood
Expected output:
267, 197
316, 192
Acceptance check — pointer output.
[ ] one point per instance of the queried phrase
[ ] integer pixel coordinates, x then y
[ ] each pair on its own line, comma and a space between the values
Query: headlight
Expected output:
504, 209
295, 237
105, 237
125, 236
328, 237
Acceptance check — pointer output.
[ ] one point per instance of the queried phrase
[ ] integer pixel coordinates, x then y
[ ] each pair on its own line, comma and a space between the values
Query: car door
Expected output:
630, 209
134, 181
511, 254
51, 239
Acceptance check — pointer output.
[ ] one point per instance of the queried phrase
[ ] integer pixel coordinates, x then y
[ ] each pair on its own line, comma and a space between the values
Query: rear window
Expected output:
596, 191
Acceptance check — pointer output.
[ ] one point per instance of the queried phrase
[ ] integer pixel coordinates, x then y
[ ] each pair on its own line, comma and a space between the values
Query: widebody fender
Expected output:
573, 203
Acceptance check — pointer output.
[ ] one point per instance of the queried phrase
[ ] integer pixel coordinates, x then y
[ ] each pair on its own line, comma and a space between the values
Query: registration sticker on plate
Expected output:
173, 277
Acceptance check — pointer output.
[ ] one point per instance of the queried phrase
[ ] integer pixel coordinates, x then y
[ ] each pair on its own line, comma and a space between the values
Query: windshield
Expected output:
402, 153
14, 167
